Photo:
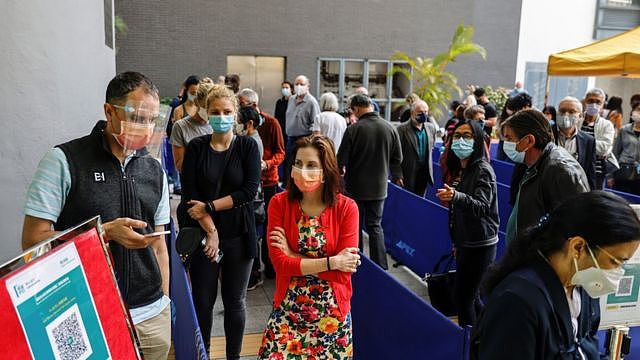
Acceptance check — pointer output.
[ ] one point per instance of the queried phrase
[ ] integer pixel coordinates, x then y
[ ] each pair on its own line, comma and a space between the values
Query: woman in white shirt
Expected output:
329, 123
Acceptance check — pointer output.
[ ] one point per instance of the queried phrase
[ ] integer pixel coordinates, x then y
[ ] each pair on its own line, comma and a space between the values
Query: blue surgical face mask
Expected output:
421, 118
463, 148
509, 148
221, 123
592, 109
286, 92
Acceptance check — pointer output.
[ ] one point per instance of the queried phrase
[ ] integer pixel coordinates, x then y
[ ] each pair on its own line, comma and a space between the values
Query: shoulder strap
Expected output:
227, 155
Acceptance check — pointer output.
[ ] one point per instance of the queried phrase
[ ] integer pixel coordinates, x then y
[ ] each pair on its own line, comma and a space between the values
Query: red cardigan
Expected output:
340, 223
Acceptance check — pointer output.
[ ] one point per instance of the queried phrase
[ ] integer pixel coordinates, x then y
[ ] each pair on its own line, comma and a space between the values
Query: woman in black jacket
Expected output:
220, 177
473, 215
543, 301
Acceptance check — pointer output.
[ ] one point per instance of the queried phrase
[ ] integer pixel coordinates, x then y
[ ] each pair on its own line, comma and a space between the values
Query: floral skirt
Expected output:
307, 324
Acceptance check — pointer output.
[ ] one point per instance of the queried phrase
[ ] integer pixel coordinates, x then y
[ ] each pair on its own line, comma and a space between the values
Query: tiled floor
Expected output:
259, 307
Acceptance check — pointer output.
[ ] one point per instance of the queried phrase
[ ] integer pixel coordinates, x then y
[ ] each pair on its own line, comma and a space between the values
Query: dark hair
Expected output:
360, 100
124, 83
634, 100
327, 154
249, 113
233, 82
189, 81
600, 217
615, 103
519, 102
479, 92
454, 106
533, 122
459, 112
551, 110
288, 83
453, 163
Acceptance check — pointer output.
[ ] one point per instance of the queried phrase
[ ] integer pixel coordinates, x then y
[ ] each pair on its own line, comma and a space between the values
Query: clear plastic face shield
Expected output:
142, 124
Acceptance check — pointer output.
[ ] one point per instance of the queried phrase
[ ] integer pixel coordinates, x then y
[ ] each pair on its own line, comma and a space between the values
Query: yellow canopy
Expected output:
618, 55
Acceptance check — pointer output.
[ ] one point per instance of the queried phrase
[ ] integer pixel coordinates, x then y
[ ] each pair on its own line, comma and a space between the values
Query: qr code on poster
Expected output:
68, 336
625, 286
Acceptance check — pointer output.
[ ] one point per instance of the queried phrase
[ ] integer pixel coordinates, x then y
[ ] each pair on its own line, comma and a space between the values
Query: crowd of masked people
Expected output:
566, 244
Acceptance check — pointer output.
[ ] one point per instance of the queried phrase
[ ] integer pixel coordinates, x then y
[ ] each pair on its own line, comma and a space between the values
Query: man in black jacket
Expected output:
552, 174
368, 150
417, 137
580, 145
110, 173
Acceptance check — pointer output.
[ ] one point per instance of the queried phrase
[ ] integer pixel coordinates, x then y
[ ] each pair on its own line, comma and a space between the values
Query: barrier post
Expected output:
619, 342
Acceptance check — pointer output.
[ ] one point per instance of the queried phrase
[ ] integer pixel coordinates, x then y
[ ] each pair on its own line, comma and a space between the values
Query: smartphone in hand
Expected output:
157, 233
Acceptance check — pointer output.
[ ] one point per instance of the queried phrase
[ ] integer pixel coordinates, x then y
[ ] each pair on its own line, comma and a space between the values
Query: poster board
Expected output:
59, 300
623, 307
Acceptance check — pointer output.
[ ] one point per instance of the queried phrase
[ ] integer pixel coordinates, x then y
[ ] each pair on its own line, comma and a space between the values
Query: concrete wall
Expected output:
169, 42
621, 87
55, 68
550, 26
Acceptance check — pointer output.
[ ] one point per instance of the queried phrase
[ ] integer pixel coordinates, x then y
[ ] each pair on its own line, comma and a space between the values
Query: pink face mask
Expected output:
134, 136
307, 180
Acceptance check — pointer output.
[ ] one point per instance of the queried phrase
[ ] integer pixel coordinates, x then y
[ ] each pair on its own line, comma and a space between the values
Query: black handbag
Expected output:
189, 240
440, 285
190, 237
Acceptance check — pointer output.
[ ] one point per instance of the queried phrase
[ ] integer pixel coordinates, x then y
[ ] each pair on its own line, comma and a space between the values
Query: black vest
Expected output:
100, 187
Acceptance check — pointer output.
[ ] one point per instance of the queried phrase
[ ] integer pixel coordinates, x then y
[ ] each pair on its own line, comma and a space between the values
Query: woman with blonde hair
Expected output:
221, 173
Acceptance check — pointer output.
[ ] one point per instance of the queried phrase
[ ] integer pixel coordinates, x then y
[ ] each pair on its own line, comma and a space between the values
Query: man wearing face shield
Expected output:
602, 130
110, 173
577, 143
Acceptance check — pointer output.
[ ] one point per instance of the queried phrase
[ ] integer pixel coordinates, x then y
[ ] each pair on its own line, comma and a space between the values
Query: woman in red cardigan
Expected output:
313, 235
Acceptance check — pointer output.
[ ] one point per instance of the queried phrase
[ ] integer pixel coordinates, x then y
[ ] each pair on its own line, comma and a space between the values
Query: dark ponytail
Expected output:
600, 217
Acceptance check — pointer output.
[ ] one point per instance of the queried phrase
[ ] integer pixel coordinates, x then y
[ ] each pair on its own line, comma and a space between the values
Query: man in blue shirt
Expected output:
110, 173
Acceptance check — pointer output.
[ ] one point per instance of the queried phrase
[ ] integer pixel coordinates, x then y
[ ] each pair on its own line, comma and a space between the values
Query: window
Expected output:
108, 23
342, 76
559, 87
615, 16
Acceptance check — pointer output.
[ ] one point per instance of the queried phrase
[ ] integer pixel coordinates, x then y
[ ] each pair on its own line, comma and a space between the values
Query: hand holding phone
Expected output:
157, 233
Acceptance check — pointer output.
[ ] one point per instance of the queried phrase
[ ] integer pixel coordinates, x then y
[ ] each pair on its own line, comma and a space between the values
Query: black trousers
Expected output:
233, 271
472, 264
263, 243
419, 180
371, 221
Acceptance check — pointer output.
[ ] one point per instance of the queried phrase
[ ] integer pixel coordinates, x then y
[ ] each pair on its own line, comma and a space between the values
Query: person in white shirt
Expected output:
329, 123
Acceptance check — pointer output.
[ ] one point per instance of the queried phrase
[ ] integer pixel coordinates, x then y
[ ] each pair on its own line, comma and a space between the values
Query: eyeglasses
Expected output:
138, 114
615, 259
465, 136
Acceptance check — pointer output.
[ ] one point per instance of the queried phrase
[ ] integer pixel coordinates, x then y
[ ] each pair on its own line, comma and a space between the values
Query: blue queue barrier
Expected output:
187, 338
493, 150
503, 171
415, 230
631, 198
391, 322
